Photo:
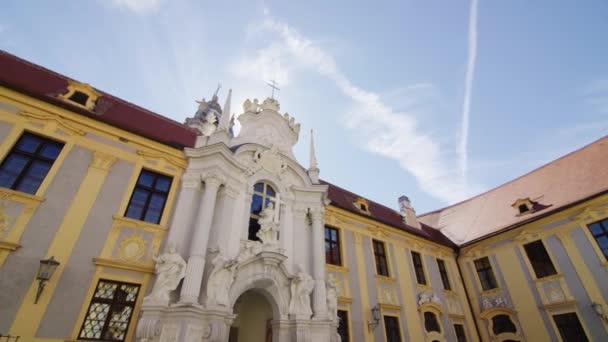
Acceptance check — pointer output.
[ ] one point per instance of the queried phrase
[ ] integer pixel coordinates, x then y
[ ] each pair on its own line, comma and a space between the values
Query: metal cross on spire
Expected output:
273, 85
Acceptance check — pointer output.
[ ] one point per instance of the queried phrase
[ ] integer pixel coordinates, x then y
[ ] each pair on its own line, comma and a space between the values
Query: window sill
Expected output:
336, 268
385, 278
19, 196
546, 279
424, 287
490, 292
137, 223
450, 293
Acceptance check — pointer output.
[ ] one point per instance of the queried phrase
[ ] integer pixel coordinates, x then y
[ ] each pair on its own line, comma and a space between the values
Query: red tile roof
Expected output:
564, 182
41, 83
344, 199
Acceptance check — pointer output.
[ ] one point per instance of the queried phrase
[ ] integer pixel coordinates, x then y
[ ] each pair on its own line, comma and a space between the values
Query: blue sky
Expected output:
385, 85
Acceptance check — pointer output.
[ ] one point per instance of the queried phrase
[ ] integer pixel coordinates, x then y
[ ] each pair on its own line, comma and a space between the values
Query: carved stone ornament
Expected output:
270, 160
251, 106
132, 248
493, 302
220, 280
428, 297
248, 250
170, 269
5, 220
301, 287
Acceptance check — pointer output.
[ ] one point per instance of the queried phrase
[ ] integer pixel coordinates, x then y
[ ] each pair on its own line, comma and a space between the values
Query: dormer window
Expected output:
525, 206
79, 97
362, 205
81, 94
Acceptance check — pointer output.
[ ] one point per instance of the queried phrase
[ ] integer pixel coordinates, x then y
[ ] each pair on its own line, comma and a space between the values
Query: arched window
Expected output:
503, 324
263, 194
431, 323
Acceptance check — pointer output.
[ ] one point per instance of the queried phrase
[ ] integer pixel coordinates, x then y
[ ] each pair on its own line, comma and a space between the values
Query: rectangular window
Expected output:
332, 246
485, 273
419, 268
599, 230
110, 311
343, 326
28, 162
380, 257
149, 197
460, 335
445, 279
539, 258
391, 328
570, 327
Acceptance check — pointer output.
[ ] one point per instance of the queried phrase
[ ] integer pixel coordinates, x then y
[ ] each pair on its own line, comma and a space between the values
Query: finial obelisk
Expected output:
225, 118
313, 169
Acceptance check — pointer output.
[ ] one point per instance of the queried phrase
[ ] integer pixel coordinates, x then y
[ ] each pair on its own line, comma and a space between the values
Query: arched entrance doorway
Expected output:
253, 316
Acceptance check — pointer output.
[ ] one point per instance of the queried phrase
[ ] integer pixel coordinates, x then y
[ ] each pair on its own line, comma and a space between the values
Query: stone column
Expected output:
184, 211
198, 248
318, 265
286, 233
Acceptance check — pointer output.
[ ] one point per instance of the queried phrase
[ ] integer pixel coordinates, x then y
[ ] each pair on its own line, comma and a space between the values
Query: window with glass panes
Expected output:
391, 328
539, 259
431, 323
599, 230
149, 197
503, 324
263, 195
418, 268
570, 328
343, 325
28, 163
110, 311
460, 334
332, 246
443, 272
485, 273
380, 257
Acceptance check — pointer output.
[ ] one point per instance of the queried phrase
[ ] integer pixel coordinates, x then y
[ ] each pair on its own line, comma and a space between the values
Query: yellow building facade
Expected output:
529, 266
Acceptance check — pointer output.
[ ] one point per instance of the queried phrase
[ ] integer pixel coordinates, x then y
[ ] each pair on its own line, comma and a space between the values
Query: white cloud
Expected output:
391, 134
268, 64
468, 88
138, 6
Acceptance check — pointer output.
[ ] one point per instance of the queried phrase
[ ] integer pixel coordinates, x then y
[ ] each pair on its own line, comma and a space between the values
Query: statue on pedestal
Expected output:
331, 291
301, 288
220, 280
269, 229
170, 269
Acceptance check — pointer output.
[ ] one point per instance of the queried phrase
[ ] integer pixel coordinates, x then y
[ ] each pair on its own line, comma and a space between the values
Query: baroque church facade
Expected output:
118, 224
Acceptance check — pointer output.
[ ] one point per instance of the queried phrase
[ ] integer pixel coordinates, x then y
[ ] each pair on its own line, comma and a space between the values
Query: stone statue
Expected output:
249, 106
248, 250
301, 287
424, 297
331, 291
170, 269
269, 230
220, 280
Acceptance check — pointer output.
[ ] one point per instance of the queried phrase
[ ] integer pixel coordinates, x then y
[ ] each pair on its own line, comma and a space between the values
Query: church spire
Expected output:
225, 118
313, 169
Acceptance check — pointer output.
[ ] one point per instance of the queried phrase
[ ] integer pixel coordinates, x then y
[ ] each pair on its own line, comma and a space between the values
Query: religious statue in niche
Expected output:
302, 285
331, 291
269, 229
220, 280
170, 269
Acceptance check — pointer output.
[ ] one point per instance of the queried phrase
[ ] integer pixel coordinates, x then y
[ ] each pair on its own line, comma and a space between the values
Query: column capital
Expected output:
317, 213
191, 182
213, 178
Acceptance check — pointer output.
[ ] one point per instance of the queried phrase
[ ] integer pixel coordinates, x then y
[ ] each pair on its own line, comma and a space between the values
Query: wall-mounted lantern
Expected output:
599, 310
375, 317
45, 272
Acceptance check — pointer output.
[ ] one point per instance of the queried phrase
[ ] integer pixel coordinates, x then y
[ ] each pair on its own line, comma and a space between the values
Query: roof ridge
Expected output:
367, 199
116, 98
517, 178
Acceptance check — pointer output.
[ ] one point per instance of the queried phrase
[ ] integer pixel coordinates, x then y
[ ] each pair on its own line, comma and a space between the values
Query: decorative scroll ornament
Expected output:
5, 220
428, 297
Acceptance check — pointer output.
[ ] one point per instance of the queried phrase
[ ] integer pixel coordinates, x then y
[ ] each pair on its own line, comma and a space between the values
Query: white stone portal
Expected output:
249, 223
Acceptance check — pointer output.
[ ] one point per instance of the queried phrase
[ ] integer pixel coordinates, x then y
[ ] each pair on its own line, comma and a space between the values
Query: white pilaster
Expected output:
184, 212
196, 261
286, 233
318, 265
